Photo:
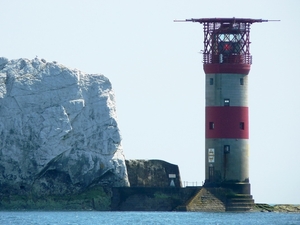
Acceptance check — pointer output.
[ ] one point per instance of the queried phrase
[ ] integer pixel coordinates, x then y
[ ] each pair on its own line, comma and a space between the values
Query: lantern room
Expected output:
226, 44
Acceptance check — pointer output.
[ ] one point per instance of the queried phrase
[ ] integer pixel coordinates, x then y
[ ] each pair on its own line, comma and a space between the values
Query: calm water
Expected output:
169, 218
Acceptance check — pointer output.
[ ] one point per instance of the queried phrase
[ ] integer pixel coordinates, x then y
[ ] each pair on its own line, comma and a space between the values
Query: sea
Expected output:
123, 218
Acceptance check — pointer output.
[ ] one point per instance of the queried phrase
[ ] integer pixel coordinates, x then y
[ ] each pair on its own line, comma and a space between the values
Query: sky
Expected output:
155, 67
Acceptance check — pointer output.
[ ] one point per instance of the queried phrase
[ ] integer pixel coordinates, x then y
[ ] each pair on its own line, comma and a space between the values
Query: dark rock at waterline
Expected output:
277, 208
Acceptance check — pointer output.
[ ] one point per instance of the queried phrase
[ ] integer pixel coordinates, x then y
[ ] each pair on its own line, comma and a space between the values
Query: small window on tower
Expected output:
242, 126
226, 102
241, 81
226, 149
211, 125
211, 81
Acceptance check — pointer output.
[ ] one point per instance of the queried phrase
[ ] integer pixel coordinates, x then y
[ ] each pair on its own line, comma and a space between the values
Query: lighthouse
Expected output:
226, 63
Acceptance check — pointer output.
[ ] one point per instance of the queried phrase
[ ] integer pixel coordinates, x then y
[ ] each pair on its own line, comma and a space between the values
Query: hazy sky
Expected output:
157, 74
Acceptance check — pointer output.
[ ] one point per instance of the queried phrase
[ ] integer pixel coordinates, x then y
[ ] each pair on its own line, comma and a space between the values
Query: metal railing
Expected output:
209, 58
192, 183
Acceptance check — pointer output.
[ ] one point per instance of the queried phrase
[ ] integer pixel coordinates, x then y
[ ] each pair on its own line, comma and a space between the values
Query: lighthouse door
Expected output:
211, 173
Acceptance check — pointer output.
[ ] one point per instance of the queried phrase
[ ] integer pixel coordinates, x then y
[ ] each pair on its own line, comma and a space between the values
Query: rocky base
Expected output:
129, 199
96, 198
286, 208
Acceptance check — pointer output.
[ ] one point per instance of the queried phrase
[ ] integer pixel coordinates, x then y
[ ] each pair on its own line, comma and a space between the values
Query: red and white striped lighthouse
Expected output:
226, 63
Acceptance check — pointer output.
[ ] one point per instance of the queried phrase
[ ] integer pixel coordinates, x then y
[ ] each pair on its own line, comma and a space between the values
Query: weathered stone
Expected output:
205, 201
152, 173
58, 129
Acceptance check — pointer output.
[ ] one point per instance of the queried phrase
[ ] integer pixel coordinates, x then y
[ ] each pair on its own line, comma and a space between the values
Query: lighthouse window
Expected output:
226, 149
226, 102
241, 81
242, 125
211, 125
211, 81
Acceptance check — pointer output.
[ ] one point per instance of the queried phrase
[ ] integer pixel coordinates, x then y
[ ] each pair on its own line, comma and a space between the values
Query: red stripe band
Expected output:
227, 122
226, 68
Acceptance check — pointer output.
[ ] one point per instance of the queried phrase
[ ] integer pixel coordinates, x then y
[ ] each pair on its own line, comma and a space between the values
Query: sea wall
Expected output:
126, 199
151, 198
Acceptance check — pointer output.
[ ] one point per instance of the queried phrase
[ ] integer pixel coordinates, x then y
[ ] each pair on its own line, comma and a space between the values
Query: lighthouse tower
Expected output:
226, 63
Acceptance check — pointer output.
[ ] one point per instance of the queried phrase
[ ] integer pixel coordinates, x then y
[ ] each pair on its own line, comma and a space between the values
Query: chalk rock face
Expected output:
58, 129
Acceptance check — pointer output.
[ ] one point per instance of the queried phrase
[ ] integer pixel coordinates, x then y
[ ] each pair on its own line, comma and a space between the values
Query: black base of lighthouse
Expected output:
235, 187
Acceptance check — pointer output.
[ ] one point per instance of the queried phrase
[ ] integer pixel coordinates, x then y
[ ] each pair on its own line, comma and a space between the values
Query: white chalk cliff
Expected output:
58, 129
